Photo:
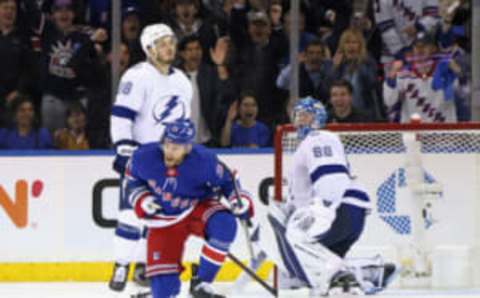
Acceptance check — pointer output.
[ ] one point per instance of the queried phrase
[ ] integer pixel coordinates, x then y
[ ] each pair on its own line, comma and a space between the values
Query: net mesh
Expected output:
355, 142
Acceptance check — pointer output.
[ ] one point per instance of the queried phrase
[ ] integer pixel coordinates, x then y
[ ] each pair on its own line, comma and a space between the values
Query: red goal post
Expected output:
284, 134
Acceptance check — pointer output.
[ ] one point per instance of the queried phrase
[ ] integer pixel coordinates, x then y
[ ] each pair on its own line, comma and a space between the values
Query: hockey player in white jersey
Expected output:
150, 94
324, 214
399, 20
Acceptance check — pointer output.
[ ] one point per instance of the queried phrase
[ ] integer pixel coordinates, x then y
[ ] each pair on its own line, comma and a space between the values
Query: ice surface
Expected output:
100, 290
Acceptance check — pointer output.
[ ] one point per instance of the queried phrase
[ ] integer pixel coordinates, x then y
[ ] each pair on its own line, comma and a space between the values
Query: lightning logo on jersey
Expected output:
168, 110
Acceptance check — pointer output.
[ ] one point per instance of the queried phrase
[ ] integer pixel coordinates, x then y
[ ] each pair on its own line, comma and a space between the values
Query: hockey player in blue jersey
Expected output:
174, 186
150, 93
324, 214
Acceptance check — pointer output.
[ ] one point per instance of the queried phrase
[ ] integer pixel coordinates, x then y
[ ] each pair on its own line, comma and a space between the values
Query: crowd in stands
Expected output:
383, 64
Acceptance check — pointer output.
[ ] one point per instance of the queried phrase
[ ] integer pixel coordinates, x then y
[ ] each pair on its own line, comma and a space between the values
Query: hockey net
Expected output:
423, 181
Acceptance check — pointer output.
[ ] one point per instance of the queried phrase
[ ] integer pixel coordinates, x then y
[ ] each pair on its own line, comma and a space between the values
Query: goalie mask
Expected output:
308, 114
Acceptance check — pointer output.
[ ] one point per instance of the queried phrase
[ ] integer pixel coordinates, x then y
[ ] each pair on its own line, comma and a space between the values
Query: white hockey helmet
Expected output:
153, 32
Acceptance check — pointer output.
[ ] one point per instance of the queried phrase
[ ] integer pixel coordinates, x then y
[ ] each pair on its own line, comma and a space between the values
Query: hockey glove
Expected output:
146, 206
311, 221
124, 150
242, 207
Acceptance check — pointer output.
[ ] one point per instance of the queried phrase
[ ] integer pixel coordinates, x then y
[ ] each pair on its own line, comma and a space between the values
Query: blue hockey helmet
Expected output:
180, 131
316, 109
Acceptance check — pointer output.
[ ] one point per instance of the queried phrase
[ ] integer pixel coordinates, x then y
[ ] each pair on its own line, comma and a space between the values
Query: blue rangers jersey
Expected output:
177, 190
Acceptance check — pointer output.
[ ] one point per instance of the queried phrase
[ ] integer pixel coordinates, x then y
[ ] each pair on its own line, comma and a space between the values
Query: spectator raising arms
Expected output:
245, 131
352, 63
25, 133
423, 87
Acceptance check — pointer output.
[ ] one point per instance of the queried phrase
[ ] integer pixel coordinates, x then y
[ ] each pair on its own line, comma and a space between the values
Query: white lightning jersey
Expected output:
145, 100
411, 94
318, 170
392, 17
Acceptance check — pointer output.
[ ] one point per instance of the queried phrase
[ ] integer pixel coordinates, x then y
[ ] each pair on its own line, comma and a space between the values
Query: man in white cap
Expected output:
150, 94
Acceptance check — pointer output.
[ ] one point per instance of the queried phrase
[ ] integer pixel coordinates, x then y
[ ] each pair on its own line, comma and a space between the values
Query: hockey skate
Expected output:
119, 277
139, 275
199, 289
382, 278
375, 278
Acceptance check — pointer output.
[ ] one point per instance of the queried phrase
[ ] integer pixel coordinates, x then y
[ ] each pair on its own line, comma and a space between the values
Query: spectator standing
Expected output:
399, 22
423, 87
352, 63
256, 59
25, 133
131, 27
68, 57
187, 20
18, 67
314, 72
241, 127
212, 86
342, 110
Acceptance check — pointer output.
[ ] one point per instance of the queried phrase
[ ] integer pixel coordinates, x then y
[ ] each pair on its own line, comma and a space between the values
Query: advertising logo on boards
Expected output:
15, 204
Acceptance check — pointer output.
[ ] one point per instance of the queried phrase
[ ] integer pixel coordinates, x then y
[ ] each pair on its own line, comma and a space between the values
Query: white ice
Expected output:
100, 290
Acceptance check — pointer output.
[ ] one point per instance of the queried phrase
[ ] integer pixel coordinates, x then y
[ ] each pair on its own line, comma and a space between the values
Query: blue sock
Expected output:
165, 286
220, 232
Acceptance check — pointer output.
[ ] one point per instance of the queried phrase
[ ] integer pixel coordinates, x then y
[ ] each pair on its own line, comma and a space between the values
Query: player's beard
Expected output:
172, 161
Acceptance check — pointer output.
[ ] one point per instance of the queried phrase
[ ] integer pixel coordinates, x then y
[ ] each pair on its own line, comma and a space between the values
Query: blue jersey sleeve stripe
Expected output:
124, 112
360, 195
326, 170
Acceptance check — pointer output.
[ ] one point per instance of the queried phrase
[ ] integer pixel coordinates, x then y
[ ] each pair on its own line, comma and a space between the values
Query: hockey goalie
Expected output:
324, 215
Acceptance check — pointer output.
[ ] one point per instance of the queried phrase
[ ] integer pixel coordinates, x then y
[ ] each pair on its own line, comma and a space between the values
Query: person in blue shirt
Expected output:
24, 133
241, 128
180, 189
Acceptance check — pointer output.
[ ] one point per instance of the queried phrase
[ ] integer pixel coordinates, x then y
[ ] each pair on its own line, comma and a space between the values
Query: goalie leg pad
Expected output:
288, 257
318, 263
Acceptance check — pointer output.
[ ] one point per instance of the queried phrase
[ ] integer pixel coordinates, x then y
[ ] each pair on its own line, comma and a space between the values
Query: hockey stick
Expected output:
266, 286
244, 222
